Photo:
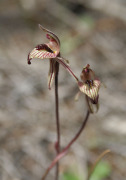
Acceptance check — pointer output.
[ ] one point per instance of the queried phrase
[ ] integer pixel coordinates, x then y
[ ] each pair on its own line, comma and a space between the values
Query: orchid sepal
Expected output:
52, 73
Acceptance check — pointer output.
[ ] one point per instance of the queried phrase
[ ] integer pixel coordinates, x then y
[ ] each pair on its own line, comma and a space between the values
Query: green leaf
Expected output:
70, 176
101, 171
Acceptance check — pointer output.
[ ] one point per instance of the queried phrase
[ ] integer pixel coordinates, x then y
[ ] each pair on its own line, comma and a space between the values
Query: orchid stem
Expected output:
57, 145
65, 150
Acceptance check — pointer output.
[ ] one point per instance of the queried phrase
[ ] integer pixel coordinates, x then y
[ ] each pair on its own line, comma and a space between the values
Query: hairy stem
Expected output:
65, 150
57, 145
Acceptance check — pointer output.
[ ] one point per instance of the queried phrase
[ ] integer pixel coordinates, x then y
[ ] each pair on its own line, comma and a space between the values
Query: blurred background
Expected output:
90, 31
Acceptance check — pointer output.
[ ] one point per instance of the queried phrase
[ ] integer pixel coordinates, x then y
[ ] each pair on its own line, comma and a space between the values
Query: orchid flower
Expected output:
89, 86
50, 51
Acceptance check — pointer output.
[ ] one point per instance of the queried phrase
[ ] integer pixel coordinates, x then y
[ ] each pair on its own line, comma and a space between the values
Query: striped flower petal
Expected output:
41, 54
90, 91
51, 74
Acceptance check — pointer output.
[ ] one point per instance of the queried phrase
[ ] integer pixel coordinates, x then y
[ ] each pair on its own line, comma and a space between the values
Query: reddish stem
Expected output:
57, 145
65, 150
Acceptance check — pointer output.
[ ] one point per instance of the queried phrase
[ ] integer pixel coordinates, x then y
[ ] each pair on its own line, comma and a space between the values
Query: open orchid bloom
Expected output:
50, 51
90, 86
